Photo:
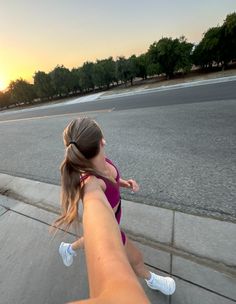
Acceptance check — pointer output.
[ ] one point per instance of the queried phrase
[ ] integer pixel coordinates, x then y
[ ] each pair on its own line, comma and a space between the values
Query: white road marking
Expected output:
58, 115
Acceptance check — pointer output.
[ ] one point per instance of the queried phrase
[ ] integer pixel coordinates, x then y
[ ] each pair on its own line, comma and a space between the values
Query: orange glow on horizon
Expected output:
3, 85
6, 79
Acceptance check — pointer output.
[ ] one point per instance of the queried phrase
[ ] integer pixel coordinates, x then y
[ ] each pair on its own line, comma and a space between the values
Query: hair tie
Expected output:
74, 143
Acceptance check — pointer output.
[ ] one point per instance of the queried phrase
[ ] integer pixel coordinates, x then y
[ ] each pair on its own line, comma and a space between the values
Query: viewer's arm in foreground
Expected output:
111, 278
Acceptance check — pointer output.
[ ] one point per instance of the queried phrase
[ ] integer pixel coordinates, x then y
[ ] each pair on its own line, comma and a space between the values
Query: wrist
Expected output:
124, 183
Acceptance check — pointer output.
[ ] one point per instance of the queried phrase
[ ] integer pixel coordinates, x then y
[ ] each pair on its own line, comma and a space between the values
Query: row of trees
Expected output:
165, 57
218, 45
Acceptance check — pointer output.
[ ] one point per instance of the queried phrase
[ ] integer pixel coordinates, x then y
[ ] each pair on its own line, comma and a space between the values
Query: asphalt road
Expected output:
179, 145
210, 92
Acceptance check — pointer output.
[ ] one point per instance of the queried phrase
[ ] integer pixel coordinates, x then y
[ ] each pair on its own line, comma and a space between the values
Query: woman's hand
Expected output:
133, 185
130, 183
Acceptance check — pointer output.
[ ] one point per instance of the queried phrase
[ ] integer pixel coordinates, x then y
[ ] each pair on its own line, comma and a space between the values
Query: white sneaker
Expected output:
67, 257
165, 285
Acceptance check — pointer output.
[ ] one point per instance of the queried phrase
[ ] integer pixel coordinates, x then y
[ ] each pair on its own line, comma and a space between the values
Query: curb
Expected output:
182, 85
194, 249
139, 91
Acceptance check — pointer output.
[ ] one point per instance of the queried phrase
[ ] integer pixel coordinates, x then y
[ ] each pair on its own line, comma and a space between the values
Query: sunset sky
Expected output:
38, 35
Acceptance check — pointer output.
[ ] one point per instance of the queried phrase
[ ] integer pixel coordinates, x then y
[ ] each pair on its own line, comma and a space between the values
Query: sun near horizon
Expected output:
6, 79
73, 32
3, 85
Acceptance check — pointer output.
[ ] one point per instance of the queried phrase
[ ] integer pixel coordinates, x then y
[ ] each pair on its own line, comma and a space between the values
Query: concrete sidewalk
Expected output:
198, 252
32, 268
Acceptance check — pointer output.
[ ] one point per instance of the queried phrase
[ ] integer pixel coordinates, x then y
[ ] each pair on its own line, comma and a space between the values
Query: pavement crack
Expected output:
216, 265
4, 211
192, 283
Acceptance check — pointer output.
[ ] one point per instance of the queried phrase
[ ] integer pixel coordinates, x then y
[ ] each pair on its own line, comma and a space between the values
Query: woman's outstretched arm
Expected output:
111, 278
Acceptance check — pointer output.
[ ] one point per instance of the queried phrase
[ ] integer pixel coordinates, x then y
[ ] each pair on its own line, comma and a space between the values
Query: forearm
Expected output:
100, 246
111, 277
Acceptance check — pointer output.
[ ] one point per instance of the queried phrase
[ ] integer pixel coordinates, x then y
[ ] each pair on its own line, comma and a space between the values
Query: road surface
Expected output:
179, 145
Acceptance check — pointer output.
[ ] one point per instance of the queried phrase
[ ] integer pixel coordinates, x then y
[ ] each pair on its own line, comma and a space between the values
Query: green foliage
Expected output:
208, 51
185, 60
229, 39
75, 80
61, 80
142, 63
43, 85
133, 67
171, 55
21, 91
153, 69
126, 69
218, 45
122, 69
5, 99
104, 72
86, 76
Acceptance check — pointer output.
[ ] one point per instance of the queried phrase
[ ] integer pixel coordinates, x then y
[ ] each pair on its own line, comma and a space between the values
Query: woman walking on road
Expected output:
85, 162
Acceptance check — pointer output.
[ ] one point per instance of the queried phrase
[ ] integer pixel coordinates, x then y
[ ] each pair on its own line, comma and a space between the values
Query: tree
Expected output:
171, 55
104, 72
5, 99
43, 85
185, 51
61, 80
126, 69
208, 51
75, 80
142, 63
21, 91
86, 76
132, 67
218, 45
153, 69
229, 39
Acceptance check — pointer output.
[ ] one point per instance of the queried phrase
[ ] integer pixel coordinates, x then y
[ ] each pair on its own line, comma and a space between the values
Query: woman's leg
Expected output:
78, 244
135, 258
164, 284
